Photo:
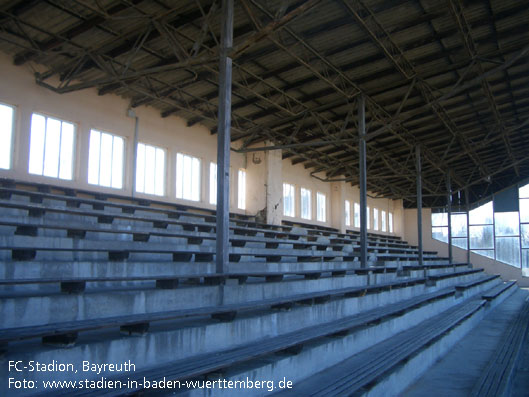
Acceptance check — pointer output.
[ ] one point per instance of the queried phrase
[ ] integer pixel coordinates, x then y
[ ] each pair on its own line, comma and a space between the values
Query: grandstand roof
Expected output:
449, 75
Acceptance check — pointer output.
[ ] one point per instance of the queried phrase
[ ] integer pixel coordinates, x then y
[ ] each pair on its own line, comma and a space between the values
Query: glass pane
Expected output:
390, 220
195, 181
525, 260
150, 164
212, 183
160, 172
67, 148
460, 242
482, 215
140, 168
320, 198
6, 135
440, 219
357, 214
36, 146
347, 213
241, 196
288, 200
383, 220
440, 233
179, 175
487, 253
508, 250
305, 203
459, 225
525, 235
117, 162
481, 237
51, 147
506, 224
105, 161
375, 218
524, 191
93, 157
524, 210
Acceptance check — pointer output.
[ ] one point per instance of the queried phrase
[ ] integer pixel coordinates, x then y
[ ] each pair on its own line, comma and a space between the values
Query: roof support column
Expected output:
362, 178
419, 203
467, 199
449, 210
224, 139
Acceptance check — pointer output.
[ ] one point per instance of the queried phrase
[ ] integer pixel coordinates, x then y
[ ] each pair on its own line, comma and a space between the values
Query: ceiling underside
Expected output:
449, 76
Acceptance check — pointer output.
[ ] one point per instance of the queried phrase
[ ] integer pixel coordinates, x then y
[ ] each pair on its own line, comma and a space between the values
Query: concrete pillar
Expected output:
337, 206
224, 139
274, 187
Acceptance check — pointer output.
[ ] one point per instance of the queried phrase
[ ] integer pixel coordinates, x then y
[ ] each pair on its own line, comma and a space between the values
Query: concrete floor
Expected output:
456, 373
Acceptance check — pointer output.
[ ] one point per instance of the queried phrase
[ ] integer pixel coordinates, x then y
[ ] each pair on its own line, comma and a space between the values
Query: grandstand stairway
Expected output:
108, 279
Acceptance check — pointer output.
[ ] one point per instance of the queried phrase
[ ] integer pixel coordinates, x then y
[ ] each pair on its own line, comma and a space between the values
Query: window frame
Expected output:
70, 165
11, 140
123, 159
321, 208
157, 150
180, 191
291, 189
301, 202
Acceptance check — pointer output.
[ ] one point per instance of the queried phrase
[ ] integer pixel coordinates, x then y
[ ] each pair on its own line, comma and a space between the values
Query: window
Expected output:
105, 159
288, 199
390, 222
241, 194
6, 135
375, 218
440, 226
523, 193
150, 170
367, 218
459, 230
356, 214
213, 183
320, 207
347, 213
51, 147
383, 221
306, 209
187, 177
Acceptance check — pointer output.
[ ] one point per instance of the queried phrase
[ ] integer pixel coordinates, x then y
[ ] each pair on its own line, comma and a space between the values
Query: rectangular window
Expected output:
383, 221
390, 222
367, 218
213, 183
288, 200
241, 193
150, 169
187, 177
347, 213
51, 147
375, 218
356, 214
105, 159
7, 114
306, 208
320, 207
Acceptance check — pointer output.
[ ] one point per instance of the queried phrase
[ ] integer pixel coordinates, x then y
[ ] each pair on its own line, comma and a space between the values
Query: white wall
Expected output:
491, 266
265, 171
107, 113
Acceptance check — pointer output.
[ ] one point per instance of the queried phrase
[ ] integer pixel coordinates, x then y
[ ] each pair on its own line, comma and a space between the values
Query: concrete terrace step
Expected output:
389, 366
289, 342
75, 215
80, 229
42, 307
222, 312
